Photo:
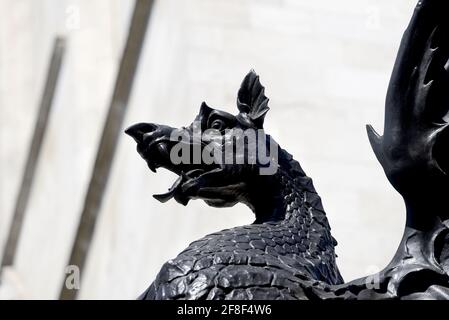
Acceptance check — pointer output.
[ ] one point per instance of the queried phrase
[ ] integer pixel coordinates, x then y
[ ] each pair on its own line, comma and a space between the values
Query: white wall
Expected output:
81, 100
325, 66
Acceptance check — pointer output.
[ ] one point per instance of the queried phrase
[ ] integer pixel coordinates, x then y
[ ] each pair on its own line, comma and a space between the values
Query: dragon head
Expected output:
220, 158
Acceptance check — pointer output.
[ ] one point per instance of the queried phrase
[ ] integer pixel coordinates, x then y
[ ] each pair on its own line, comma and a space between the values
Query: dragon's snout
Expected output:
139, 130
153, 143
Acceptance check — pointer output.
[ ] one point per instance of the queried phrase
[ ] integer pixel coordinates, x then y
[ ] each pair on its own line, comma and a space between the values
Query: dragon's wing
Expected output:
420, 77
413, 148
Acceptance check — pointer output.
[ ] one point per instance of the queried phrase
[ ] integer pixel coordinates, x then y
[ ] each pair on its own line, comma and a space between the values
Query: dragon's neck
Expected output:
289, 203
288, 195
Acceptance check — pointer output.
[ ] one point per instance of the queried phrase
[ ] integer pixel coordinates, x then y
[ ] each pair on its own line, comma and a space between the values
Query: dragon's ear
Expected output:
205, 110
251, 99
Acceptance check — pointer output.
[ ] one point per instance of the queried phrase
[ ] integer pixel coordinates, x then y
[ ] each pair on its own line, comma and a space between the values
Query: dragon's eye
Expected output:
218, 124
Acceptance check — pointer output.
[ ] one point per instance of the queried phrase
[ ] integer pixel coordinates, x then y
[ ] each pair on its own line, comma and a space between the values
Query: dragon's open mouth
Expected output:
178, 189
156, 152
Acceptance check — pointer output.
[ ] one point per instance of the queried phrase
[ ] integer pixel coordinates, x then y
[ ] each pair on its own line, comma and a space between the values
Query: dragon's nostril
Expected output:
138, 131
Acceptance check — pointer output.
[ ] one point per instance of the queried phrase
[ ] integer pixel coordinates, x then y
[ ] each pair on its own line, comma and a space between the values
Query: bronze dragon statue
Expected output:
288, 252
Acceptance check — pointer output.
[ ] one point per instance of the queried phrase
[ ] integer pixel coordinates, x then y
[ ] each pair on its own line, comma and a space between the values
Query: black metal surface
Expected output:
288, 252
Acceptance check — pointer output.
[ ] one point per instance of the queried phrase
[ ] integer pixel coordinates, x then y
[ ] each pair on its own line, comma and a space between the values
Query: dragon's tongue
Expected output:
164, 197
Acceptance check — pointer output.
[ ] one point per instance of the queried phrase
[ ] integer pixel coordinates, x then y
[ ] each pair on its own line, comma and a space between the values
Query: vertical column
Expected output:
108, 143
